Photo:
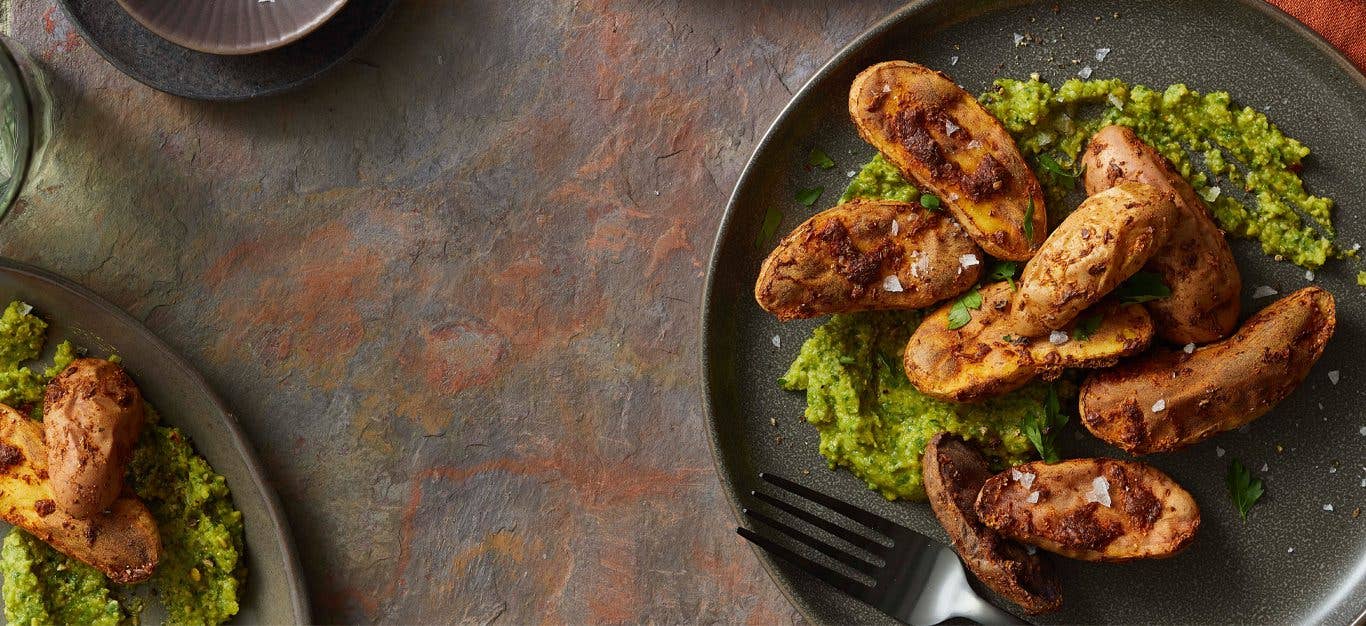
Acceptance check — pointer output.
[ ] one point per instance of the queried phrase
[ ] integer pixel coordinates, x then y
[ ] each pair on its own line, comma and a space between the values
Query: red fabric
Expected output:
1341, 22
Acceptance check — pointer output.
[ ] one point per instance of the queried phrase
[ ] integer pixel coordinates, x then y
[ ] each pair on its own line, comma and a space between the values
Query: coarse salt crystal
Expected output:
896, 227
1363, 482
1332, 470
25, 308
1018, 38
1264, 467
1033, 497
974, 144
1356, 247
1363, 431
1160, 405
1015, 473
1219, 452
1328, 507
953, 60
1101, 52
921, 265
1027, 479
1263, 291
1211, 194
851, 173
886, 88
1058, 337
777, 341
1115, 101
1289, 550
1100, 491
1190, 347
968, 260
1309, 275
1084, 72
1334, 376
950, 127
892, 283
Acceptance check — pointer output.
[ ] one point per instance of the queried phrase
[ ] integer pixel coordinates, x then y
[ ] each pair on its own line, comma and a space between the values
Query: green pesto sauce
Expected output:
201, 566
873, 422
1236, 159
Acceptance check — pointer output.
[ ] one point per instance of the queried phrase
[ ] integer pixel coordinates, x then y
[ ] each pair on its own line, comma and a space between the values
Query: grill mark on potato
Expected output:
909, 126
989, 178
10, 456
861, 269
44, 507
1079, 529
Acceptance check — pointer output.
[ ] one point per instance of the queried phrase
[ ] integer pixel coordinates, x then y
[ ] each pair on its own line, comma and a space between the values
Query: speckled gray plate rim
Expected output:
168, 67
1237, 571
275, 592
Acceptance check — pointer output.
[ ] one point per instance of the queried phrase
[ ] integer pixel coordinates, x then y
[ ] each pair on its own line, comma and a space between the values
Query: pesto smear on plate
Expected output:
873, 422
201, 566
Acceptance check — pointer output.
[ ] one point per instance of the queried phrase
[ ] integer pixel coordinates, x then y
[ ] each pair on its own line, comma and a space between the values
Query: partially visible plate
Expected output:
275, 592
1290, 561
232, 26
177, 70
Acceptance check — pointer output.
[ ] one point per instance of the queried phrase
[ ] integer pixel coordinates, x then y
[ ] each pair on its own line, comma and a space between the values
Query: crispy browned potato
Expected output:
984, 359
1091, 509
840, 260
1170, 399
1108, 238
946, 143
122, 541
1196, 262
92, 416
954, 473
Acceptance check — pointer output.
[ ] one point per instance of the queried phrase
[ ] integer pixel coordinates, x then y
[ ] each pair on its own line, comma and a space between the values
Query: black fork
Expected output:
909, 576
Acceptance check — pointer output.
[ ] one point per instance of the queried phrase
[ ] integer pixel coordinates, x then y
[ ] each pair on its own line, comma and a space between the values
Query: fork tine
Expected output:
871, 545
818, 545
831, 577
871, 520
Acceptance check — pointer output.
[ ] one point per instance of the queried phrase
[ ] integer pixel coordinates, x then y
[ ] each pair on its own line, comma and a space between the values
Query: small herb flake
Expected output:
1063, 177
972, 299
1087, 327
808, 197
1242, 488
1143, 287
1005, 270
929, 201
958, 315
1029, 223
1042, 429
770, 225
820, 159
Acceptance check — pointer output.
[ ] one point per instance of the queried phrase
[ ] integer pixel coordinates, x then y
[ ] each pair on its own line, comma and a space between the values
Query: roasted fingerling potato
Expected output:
1091, 509
1169, 400
1196, 262
120, 541
983, 359
92, 416
943, 141
954, 473
1105, 241
865, 255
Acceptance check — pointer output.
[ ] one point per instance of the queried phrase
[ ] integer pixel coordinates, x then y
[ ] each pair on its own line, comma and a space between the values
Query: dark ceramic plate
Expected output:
274, 592
160, 64
1237, 571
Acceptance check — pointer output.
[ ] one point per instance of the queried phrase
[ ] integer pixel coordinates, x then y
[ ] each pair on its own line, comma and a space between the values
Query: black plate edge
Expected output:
293, 570
727, 219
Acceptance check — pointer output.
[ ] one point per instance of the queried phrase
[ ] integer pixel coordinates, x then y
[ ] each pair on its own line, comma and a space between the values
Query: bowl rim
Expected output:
136, 9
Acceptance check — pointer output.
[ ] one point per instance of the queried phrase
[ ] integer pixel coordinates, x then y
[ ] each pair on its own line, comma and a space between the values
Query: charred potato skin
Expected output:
92, 416
1105, 241
836, 261
954, 473
905, 110
1149, 517
978, 361
1217, 387
1196, 262
122, 541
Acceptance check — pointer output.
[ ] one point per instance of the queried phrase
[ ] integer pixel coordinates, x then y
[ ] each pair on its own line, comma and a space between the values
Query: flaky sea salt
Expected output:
1328, 507
851, 173
1033, 497
1334, 376
896, 227
892, 284
1219, 452
1190, 347
953, 60
777, 341
1265, 467
1115, 101
921, 264
968, 260
1160, 405
1362, 431
950, 127
1100, 491
1018, 38
1263, 291
1211, 194
1084, 72
1058, 337
1309, 275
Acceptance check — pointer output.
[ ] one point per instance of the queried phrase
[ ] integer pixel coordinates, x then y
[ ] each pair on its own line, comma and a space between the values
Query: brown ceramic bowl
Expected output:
232, 26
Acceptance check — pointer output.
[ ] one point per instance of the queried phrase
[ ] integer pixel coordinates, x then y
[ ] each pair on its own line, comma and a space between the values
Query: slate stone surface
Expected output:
452, 289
